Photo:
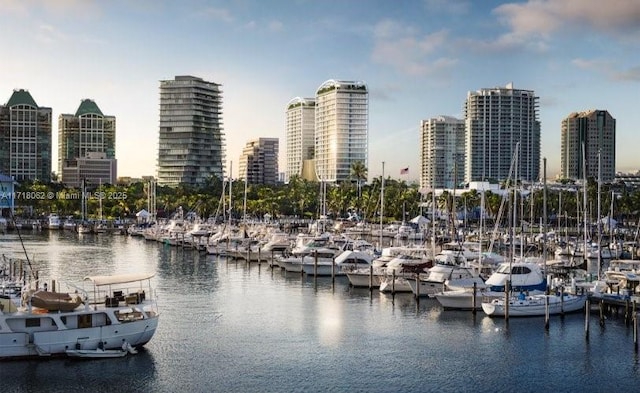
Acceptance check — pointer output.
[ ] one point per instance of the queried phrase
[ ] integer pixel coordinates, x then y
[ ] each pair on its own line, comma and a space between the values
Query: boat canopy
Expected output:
119, 278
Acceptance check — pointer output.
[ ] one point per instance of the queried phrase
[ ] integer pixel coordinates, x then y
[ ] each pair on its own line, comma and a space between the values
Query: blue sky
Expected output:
419, 59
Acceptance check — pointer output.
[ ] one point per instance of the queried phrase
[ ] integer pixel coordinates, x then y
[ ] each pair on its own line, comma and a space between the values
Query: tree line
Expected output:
307, 199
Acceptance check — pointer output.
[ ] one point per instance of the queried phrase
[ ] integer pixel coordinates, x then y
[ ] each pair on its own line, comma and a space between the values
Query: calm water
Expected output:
232, 327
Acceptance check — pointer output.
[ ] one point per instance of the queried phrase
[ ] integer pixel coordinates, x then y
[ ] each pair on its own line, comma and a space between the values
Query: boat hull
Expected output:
364, 280
534, 306
459, 300
57, 342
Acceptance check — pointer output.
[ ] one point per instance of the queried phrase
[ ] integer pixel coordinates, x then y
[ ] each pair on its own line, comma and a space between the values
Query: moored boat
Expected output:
116, 310
522, 305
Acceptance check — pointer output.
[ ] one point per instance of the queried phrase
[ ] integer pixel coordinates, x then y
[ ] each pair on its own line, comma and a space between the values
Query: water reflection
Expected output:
232, 326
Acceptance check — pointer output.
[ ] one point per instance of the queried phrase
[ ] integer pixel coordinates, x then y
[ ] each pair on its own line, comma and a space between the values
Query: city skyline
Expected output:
419, 61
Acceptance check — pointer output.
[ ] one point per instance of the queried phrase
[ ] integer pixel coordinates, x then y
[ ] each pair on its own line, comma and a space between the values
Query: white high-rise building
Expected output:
496, 121
341, 129
441, 152
300, 129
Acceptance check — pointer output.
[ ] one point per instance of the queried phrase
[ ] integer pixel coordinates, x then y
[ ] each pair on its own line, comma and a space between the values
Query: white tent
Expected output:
143, 215
608, 222
420, 220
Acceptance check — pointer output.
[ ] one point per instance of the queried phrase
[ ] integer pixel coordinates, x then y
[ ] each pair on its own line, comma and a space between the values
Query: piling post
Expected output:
507, 289
561, 300
635, 328
473, 298
371, 277
418, 286
393, 282
602, 313
333, 269
546, 312
627, 312
587, 312
315, 265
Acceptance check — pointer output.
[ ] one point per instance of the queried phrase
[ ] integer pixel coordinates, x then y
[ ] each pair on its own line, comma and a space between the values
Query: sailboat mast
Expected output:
230, 185
244, 201
381, 203
584, 206
598, 215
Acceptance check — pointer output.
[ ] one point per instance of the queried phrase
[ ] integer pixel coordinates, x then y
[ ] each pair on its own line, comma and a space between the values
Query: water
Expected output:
232, 327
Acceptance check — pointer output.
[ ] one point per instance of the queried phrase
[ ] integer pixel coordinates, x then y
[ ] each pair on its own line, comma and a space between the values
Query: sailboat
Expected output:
524, 304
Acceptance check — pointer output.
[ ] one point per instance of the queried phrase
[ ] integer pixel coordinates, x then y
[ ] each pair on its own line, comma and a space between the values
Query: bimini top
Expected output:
119, 278
333, 84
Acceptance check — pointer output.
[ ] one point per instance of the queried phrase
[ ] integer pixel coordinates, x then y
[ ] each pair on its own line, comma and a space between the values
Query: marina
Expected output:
233, 325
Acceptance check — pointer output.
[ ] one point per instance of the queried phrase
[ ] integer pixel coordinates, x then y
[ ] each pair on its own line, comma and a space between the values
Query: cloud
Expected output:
275, 26
404, 49
608, 68
219, 14
541, 18
48, 34
454, 7
632, 74
25, 8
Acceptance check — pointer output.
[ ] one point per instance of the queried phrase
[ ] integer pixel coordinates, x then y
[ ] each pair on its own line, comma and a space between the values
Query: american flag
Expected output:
404, 171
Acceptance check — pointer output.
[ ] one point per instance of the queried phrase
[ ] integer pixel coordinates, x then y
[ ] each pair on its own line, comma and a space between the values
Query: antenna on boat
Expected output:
13, 218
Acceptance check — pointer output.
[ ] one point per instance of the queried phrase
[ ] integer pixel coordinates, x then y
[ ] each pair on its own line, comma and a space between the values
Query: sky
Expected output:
419, 59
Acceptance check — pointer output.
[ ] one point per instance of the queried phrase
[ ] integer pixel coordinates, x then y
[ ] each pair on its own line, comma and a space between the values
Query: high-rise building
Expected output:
441, 152
300, 130
341, 129
25, 138
86, 131
497, 120
191, 141
259, 161
595, 132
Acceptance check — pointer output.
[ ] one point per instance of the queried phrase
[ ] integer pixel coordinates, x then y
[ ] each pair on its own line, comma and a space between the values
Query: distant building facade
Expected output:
191, 139
341, 129
496, 121
25, 138
442, 152
94, 168
86, 131
300, 131
259, 161
588, 137
7, 191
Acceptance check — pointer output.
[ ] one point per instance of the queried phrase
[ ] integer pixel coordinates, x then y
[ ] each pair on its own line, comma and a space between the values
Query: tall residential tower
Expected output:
496, 121
191, 142
441, 152
300, 130
341, 129
595, 130
25, 138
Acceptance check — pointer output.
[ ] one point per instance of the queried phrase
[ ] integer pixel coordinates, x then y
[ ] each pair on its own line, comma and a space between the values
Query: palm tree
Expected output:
359, 173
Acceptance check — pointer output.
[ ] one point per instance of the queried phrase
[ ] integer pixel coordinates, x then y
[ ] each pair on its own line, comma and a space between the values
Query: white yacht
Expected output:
54, 221
115, 310
445, 275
